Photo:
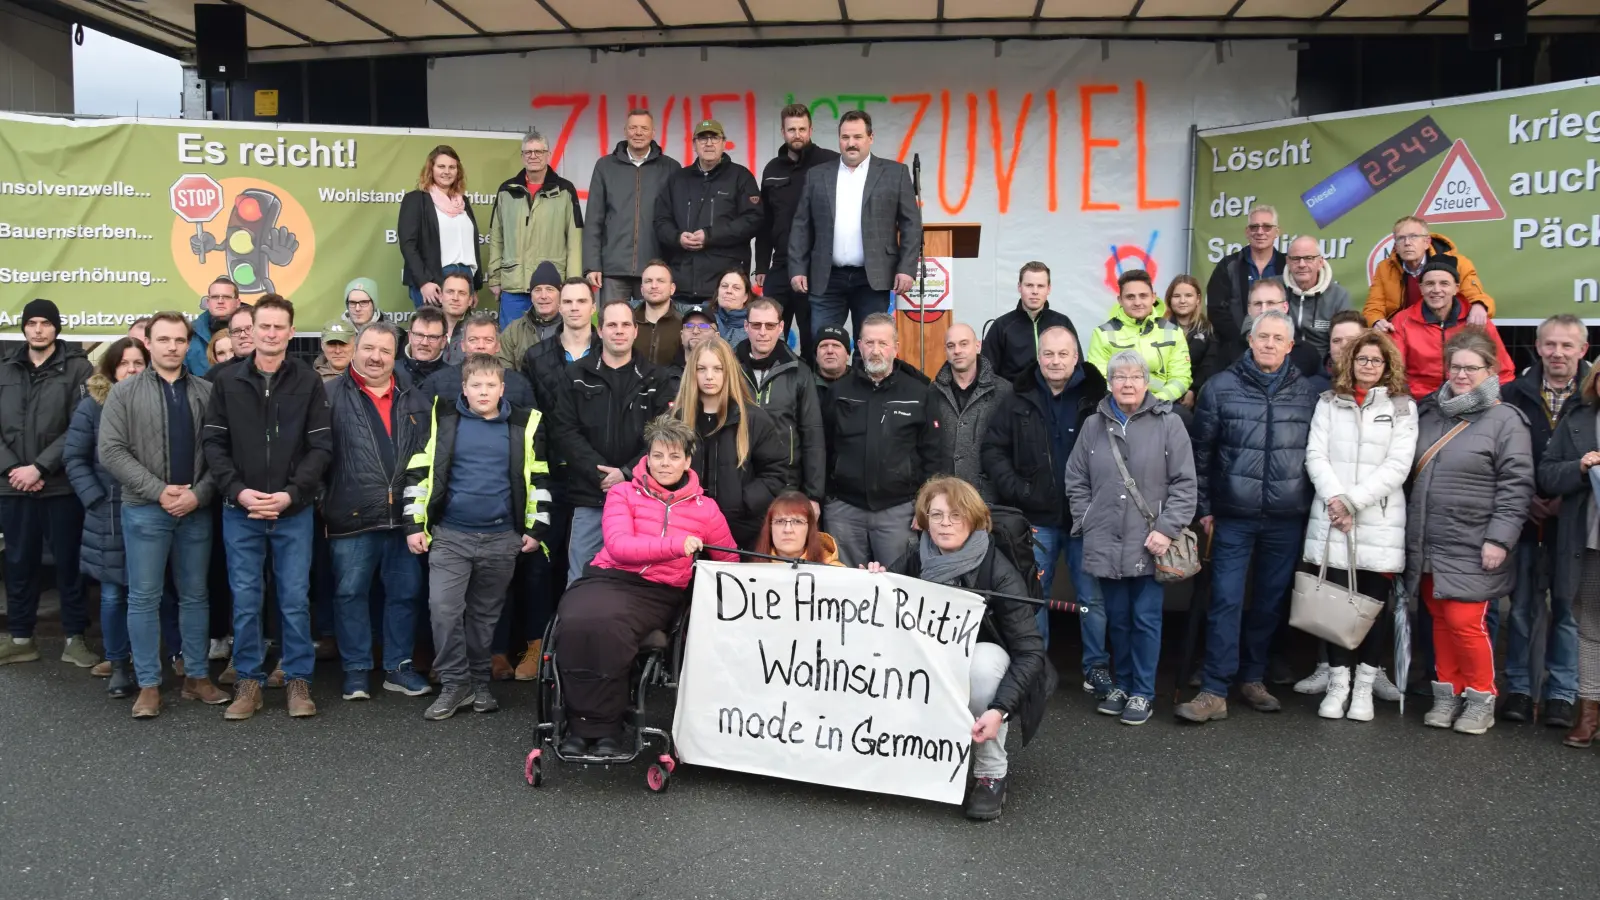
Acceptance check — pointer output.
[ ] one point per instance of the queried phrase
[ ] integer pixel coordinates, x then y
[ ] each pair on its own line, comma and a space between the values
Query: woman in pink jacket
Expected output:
653, 524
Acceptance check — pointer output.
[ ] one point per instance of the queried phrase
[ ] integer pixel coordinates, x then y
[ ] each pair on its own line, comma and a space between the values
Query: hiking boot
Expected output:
985, 800
1205, 707
528, 668
451, 698
229, 675
1582, 734
246, 701
1315, 683
18, 650
148, 705
203, 690
572, 745
300, 703
1099, 682
276, 679
1361, 693
1477, 714
1114, 703
406, 680
78, 653
1556, 713
1383, 688
1260, 699
1516, 708
355, 686
122, 683
500, 668
102, 669
1446, 706
1137, 712
1333, 702
483, 701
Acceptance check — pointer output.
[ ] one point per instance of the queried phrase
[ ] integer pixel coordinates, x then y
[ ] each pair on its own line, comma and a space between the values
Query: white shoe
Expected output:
1315, 683
221, 648
1333, 702
1384, 689
1361, 693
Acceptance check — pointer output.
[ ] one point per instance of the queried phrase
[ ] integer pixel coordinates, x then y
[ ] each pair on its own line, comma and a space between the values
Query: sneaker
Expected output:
406, 680
78, 653
528, 668
1556, 713
300, 703
148, 706
985, 800
325, 649
276, 679
1137, 712
1338, 695
1477, 712
221, 648
1260, 699
451, 698
1384, 689
1446, 706
1114, 703
102, 669
500, 668
572, 745
122, 683
613, 747
203, 690
1516, 708
1315, 683
247, 702
1098, 682
355, 686
483, 701
1361, 693
229, 675
1205, 707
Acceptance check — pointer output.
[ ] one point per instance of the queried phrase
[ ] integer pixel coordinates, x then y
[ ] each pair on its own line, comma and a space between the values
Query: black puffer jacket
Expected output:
1012, 624
102, 556
743, 493
881, 441
961, 430
789, 395
1011, 344
1017, 454
726, 203
1250, 437
36, 407
599, 420
367, 474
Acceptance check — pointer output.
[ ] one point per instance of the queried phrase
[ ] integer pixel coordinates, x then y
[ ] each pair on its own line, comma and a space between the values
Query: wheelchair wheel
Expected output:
668, 760
533, 770
658, 777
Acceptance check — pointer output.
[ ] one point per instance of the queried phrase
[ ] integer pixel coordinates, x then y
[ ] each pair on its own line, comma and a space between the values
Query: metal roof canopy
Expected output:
282, 30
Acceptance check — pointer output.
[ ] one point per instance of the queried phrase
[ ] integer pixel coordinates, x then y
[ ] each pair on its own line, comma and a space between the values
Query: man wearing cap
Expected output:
620, 234
336, 350
706, 217
536, 220
222, 298
541, 321
657, 319
360, 302
856, 235
699, 326
41, 382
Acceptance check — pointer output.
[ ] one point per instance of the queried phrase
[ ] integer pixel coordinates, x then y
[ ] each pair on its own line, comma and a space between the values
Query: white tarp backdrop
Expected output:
1062, 150
829, 675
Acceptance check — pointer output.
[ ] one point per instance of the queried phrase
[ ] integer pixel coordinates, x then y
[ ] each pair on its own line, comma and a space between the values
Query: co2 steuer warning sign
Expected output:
1459, 192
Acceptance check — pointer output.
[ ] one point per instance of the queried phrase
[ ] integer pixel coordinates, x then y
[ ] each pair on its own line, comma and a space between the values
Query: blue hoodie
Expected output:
480, 466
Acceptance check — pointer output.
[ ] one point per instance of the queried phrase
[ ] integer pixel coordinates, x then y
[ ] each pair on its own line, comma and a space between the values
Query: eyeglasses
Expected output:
940, 518
762, 326
426, 338
1127, 378
220, 297
699, 326
1305, 259
239, 332
1260, 226
349, 303
707, 138
1369, 360
1264, 305
1466, 370
790, 522
536, 153
1408, 238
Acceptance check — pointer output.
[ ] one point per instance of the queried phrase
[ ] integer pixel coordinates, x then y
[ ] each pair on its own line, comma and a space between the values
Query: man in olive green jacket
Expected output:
536, 219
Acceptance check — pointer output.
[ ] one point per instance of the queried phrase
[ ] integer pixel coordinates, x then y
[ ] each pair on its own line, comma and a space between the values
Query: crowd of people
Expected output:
433, 496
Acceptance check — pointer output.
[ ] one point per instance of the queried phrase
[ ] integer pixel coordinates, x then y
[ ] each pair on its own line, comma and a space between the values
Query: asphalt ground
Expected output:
367, 800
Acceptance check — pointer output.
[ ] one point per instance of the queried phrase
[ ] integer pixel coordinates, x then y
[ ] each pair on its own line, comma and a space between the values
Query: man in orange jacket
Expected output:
1398, 282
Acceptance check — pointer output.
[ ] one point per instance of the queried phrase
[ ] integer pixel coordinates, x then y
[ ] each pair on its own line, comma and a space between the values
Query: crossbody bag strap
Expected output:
1129, 483
1427, 457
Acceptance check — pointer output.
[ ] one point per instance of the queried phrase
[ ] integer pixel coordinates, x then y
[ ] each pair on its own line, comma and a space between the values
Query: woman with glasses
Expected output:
1422, 329
1363, 441
1010, 676
733, 295
1120, 543
1472, 482
438, 232
791, 531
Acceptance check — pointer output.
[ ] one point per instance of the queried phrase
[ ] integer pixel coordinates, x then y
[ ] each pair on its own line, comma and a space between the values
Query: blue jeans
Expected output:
290, 540
513, 306
356, 559
1561, 645
114, 620
152, 538
846, 293
1085, 588
416, 292
1133, 617
1237, 642
584, 541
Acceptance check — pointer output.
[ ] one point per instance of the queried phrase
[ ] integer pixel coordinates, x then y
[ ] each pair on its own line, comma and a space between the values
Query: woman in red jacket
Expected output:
653, 525
1421, 330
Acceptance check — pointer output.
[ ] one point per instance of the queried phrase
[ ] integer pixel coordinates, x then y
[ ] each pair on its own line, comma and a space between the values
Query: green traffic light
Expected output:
244, 273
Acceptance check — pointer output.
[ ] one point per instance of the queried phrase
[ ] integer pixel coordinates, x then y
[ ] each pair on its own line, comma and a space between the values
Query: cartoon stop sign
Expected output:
197, 198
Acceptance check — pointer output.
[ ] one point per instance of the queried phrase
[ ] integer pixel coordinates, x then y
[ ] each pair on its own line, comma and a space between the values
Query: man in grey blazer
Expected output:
856, 233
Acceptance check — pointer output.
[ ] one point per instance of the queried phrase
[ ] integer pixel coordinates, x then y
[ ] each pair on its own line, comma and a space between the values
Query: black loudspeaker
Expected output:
1497, 24
221, 49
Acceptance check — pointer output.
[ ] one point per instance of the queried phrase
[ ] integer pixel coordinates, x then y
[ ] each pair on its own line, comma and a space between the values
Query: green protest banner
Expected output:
1510, 177
117, 218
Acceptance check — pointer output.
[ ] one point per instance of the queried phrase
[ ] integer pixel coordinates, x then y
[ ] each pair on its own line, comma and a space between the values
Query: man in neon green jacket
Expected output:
1139, 322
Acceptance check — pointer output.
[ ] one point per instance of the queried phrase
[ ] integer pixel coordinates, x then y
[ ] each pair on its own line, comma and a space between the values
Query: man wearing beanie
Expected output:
833, 360
540, 322
41, 383
361, 302
1421, 330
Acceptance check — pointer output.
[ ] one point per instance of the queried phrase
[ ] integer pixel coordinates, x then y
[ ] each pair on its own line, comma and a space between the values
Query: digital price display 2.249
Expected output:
1375, 170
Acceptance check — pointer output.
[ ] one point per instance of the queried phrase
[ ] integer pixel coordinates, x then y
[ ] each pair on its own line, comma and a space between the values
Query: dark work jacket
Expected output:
1226, 296
1250, 436
366, 474
1011, 344
418, 370
269, 441
1526, 393
961, 430
545, 366
418, 232
881, 440
782, 181
1560, 474
1025, 686
743, 493
599, 420
789, 395
446, 383
36, 408
445, 418
726, 203
1018, 454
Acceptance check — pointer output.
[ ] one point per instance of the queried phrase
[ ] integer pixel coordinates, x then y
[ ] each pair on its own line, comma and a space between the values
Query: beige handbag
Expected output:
1338, 615
1182, 559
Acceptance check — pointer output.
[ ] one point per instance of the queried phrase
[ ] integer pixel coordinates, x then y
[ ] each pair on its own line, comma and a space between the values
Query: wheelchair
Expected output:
655, 670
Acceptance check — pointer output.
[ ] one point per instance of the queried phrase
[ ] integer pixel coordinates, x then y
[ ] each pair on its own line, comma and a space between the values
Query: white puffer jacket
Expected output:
1362, 454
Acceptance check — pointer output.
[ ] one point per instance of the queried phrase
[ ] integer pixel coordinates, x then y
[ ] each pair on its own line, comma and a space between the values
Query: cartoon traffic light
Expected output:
255, 242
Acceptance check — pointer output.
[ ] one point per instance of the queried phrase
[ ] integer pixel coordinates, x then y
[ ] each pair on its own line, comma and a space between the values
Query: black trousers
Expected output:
796, 310
1375, 650
28, 522
604, 616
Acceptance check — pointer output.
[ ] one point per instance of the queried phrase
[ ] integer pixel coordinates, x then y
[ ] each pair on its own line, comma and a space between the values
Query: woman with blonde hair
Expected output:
438, 233
741, 459
1186, 307
220, 348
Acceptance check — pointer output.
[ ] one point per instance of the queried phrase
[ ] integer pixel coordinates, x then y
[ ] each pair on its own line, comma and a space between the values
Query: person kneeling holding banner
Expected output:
653, 525
1009, 668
